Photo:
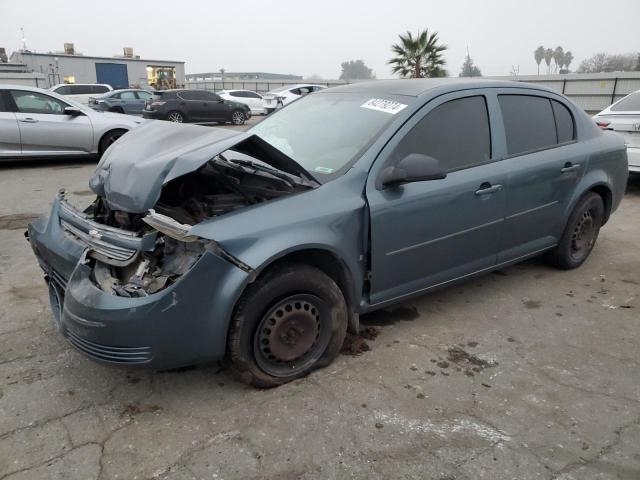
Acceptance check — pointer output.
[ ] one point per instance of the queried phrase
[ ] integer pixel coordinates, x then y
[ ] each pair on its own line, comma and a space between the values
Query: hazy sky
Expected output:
314, 37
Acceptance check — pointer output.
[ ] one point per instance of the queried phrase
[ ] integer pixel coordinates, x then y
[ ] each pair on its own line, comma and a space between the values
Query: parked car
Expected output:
129, 101
266, 245
284, 95
80, 92
250, 98
201, 106
36, 123
623, 117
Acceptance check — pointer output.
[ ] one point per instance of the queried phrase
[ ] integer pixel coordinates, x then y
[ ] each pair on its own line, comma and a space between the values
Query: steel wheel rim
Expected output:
175, 117
292, 335
583, 235
237, 118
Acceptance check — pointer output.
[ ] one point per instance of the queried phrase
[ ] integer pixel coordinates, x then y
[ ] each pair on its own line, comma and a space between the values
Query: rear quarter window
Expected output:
529, 123
564, 122
630, 103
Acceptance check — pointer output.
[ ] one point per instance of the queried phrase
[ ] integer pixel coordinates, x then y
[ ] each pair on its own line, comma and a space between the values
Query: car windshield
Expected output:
325, 132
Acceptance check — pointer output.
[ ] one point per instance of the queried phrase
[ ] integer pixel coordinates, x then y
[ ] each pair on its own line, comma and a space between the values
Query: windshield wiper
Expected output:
286, 177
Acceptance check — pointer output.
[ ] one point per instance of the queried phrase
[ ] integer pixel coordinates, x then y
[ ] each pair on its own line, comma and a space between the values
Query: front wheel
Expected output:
289, 322
109, 138
238, 117
580, 234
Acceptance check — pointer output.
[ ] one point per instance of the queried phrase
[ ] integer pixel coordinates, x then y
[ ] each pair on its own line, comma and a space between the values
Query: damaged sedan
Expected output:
265, 246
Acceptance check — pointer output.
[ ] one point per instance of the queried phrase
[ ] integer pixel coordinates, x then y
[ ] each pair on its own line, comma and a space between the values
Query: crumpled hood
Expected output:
132, 172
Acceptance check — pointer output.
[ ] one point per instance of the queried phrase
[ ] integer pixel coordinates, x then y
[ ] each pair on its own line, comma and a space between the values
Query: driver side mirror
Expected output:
73, 111
415, 167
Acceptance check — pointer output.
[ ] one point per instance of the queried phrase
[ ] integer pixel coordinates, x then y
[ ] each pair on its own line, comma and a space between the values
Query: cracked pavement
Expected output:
527, 373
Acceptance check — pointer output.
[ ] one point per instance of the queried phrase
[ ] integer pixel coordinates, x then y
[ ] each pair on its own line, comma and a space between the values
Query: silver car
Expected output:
36, 123
623, 117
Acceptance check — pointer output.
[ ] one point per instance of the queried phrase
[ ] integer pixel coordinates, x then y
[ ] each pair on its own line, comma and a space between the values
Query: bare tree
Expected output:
604, 62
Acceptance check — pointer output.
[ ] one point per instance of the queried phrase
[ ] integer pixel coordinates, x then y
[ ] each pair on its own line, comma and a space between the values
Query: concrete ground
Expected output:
527, 373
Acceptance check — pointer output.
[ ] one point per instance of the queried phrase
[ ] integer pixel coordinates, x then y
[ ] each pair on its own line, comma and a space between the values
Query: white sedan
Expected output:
624, 117
36, 123
250, 98
282, 96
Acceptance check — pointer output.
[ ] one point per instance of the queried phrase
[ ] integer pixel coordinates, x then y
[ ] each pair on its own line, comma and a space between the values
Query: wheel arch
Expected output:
108, 132
607, 198
325, 260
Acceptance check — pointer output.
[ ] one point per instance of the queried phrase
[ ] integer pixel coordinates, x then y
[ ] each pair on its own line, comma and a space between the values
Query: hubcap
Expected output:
292, 335
175, 117
583, 234
238, 118
112, 139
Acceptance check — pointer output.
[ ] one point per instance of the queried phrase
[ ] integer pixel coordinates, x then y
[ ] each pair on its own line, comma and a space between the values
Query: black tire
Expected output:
289, 322
238, 117
580, 233
108, 138
116, 110
176, 116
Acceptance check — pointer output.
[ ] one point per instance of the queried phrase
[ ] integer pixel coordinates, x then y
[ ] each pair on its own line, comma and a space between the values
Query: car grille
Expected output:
106, 353
105, 249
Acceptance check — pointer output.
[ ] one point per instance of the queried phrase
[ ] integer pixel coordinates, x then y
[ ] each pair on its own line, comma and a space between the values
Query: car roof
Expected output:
415, 87
83, 84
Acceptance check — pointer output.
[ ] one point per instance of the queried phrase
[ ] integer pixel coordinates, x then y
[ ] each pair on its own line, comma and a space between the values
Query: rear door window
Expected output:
529, 123
98, 89
128, 95
455, 133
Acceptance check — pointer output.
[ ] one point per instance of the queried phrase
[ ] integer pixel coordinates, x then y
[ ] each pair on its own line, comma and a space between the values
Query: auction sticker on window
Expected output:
382, 105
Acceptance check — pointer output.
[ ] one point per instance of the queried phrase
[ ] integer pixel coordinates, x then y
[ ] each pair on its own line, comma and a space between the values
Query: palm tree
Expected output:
548, 55
419, 56
558, 57
538, 54
568, 58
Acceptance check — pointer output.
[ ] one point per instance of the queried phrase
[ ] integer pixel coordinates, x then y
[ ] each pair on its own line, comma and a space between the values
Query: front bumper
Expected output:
184, 324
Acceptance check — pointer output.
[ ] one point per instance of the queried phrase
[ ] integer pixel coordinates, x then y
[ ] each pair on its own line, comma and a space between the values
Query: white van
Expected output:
80, 92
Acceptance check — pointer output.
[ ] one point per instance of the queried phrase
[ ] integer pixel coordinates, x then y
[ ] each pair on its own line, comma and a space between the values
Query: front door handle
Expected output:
29, 120
486, 189
570, 167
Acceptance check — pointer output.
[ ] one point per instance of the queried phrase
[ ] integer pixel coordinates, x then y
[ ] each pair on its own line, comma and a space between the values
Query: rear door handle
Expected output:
487, 189
568, 167
29, 120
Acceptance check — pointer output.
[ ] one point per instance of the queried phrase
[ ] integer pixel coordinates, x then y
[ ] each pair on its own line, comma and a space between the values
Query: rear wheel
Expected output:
288, 323
238, 117
109, 138
580, 234
116, 110
176, 117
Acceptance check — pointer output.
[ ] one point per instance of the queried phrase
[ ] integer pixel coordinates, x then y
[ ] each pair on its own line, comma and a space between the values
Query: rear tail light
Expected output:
157, 104
603, 124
